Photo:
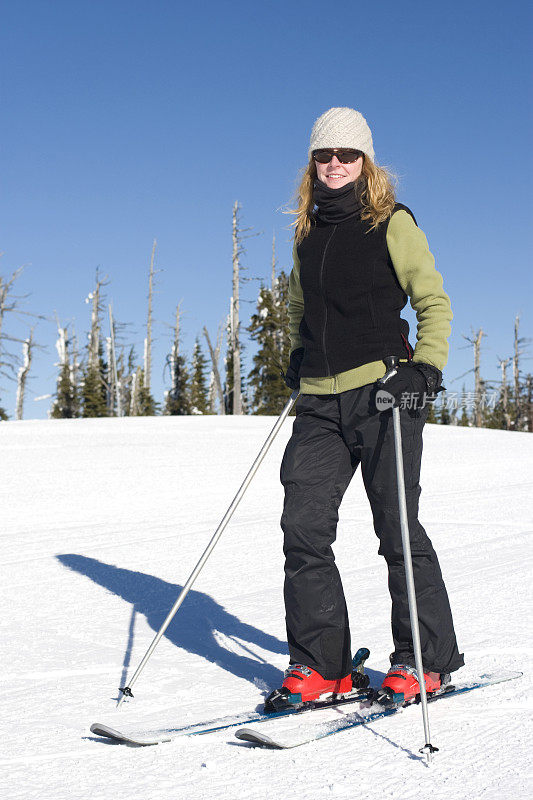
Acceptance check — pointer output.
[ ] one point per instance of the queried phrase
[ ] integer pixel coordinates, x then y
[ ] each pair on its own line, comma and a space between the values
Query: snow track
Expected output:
102, 522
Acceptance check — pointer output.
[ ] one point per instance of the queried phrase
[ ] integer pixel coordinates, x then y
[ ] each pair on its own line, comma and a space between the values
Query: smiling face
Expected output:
336, 174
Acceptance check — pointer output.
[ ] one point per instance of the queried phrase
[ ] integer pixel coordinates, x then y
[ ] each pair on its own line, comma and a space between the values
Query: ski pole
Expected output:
391, 363
126, 690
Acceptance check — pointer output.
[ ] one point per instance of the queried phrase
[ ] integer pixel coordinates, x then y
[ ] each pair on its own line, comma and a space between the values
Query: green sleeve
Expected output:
296, 303
415, 267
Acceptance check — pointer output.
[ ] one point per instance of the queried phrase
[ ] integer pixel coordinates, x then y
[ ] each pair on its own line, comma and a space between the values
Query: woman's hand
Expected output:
292, 375
414, 385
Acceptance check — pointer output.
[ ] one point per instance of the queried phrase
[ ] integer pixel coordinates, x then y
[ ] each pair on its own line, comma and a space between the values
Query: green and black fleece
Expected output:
347, 288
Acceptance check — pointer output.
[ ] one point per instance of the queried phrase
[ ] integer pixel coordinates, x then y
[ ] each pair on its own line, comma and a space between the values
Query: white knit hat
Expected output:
342, 127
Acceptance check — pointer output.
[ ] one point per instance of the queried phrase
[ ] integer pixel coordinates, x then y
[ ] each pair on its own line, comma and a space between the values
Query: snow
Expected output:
102, 523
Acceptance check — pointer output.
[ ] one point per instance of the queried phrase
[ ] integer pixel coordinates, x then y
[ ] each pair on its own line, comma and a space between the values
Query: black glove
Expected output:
414, 384
292, 376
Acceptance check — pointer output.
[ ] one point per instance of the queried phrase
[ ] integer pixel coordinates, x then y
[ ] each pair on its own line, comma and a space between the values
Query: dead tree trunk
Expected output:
7, 303
94, 335
114, 383
174, 355
215, 356
62, 345
529, 401
75, 364
235, 343
3, 297
273, 277
109, 379
477, 379
516, 374
504, 392
27, 352
5, 287
136, 381
148, 340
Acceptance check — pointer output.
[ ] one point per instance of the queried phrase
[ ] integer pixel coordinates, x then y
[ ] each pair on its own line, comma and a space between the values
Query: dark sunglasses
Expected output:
345, 155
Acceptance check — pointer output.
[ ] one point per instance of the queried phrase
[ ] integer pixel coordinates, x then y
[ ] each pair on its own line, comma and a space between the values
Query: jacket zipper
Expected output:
324, 297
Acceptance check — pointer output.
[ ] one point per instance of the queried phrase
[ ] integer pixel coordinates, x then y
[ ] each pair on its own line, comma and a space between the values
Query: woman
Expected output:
358, 257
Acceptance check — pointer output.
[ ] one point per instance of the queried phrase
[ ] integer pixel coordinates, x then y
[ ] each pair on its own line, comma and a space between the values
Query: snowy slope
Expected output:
102, 522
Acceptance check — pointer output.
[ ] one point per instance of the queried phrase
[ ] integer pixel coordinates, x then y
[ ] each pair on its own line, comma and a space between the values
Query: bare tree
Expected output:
75, 363
174, 356
148, 341
216, 382
121, 367
109, 379
95, 385
66, 400
518, 351
93, 353
238, 235
136, 386
178, 397
479, 384
27, 353
529, 401
61, 344
114, 382
235, 339
8, 303
504, 392
477, 379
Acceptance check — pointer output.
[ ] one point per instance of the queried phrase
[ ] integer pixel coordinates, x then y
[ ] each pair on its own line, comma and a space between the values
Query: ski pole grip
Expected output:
391, 365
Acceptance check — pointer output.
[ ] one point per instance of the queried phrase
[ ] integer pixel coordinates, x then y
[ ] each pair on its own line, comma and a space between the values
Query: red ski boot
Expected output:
303, 684
401, 684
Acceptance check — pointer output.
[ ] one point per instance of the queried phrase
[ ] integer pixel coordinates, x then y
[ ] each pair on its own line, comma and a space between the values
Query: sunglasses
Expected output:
345, 156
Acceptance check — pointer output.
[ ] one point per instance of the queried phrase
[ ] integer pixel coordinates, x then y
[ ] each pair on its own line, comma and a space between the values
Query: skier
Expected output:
358, 256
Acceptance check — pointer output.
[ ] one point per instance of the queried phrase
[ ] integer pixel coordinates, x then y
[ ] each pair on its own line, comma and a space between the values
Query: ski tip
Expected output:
96, 727
106, 732
248, 735
501, 676
125, 738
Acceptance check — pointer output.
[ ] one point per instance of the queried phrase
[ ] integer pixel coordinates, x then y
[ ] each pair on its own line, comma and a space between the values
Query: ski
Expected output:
222, 723
164, 735
161, 736
296, 737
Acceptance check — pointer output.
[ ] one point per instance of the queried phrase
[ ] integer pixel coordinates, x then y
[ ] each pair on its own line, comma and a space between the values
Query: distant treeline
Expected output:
107, 379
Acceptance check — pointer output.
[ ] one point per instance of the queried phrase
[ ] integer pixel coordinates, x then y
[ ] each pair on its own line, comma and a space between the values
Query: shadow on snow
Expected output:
193, 627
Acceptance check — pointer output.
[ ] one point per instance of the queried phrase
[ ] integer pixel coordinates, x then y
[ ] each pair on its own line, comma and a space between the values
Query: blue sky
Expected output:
125, 121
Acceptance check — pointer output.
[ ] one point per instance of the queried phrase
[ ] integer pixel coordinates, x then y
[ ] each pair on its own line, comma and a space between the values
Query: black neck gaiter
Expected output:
338, 205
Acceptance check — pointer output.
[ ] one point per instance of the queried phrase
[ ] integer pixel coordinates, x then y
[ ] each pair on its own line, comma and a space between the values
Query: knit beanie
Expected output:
342, 127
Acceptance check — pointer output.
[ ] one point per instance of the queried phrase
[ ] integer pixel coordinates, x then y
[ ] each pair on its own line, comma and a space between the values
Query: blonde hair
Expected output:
378, 197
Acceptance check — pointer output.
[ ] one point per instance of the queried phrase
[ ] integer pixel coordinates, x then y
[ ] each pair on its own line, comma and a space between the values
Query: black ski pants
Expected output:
332, 435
